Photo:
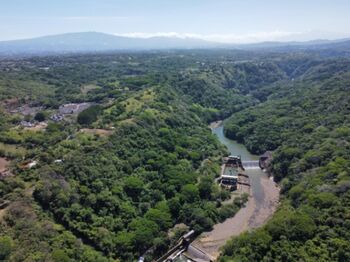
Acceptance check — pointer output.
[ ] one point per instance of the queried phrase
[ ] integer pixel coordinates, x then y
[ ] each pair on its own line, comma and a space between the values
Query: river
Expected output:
233, 147
262, 203
255, 175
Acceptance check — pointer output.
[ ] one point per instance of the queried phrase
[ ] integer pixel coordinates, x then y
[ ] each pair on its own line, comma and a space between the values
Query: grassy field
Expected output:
135, 103
10, 88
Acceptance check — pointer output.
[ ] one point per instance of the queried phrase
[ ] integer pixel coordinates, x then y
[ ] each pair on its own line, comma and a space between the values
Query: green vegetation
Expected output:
307, 123
40, 116
89, 115
119, 193
118, 196
124, 192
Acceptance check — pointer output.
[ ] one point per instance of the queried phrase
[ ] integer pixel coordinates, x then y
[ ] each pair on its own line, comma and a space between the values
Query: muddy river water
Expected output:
262, 203
255, 174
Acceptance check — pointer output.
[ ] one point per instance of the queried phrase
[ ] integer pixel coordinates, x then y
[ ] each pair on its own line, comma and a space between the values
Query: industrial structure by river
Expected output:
262, 203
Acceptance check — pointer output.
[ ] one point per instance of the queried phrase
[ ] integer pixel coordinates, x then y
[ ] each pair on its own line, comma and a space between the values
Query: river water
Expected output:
261, 205
255, 175
233, 147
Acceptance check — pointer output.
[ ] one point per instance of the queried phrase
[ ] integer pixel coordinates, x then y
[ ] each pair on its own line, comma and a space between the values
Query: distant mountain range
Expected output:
96, 42
92, 41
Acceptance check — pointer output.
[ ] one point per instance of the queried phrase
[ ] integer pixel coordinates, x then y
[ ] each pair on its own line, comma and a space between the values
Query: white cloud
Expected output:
222, 38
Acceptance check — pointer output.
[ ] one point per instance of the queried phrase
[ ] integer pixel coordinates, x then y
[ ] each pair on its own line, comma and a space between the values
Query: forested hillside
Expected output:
116, 176
109, 156
307, 124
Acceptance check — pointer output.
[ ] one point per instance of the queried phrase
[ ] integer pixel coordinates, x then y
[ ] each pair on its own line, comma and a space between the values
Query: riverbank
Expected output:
255, 214
262, 203
215, 124
268, 206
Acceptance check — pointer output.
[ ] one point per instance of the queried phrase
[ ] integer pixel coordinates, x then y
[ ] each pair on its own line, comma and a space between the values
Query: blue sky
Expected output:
216, 20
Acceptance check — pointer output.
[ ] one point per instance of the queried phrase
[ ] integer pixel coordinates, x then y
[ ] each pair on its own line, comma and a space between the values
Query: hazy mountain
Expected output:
93, 41
313, 44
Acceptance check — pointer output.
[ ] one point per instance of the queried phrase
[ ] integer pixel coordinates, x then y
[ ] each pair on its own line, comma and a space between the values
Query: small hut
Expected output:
265, 160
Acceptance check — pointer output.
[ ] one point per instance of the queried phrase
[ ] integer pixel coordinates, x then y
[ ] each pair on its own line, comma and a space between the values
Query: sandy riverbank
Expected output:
262, 203
253, 215
215, 124
264, 211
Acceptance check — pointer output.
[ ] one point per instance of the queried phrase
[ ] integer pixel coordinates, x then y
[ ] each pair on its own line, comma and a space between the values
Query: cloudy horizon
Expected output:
225, 21
256, 37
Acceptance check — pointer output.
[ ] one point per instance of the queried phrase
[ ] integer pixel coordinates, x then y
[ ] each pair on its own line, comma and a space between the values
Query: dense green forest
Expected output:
128, 174
307, 124
117, 175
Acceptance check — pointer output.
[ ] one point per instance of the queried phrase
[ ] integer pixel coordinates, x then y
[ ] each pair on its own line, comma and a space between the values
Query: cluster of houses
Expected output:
14, 106
66, 109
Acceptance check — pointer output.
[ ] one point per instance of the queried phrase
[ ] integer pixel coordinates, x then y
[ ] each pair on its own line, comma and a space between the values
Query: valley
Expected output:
111, 157
262, 203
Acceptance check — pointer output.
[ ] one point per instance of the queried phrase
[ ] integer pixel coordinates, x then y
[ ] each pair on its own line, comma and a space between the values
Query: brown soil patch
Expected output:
3, 164
2, 213
10, 104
